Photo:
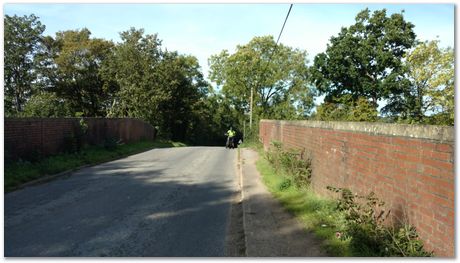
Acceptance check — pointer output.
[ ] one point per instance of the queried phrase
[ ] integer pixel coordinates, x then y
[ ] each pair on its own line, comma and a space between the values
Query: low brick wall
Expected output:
410, 167
26, 136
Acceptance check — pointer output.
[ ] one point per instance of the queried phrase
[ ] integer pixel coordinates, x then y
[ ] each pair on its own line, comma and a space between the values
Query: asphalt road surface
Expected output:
164, 202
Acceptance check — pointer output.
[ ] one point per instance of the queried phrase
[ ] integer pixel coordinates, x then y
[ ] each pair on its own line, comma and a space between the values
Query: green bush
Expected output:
405, 242
369, 236
285, 184
291, 162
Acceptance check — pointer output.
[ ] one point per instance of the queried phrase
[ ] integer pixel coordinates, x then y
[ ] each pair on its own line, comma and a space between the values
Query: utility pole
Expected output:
250, 116
244, 127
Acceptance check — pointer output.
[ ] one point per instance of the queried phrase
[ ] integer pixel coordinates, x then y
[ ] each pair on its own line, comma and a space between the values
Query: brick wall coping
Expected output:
430, 132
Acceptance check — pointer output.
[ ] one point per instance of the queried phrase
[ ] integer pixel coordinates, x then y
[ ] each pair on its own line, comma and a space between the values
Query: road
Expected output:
163, 202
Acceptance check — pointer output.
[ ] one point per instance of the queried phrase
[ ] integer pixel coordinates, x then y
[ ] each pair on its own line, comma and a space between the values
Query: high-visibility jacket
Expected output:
231, 133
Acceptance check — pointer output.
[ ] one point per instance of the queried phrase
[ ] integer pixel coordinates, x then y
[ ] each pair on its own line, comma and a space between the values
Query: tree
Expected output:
431, 96
77, 77
184, 85
364, 60
212, 116
132, 68
346, 108
22, 37
277, 76
47, 104
157, 86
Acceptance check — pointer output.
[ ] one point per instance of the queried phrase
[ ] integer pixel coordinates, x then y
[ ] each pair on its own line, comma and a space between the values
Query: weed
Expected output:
285, 184
291, 162
369, 236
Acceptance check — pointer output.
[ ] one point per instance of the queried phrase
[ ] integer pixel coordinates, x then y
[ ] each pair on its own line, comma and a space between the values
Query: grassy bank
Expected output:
317, 214
22, 171
350, 225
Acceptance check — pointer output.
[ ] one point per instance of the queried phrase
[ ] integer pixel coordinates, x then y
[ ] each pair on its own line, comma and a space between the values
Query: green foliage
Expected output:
278, 79
79, 133
285, 184
75, 140
47, 104
83, 126
22, 39
364, 60
253, 143
160, 87
347, 109
406, 243
77, 77
293, 163
187, 88
369, 236
131, 68
430, 99
212, 117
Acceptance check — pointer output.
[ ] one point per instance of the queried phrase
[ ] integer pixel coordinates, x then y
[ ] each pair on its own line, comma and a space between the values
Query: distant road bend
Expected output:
163, 202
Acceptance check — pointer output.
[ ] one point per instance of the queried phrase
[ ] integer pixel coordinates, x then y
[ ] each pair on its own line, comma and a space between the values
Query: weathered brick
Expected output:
414, 173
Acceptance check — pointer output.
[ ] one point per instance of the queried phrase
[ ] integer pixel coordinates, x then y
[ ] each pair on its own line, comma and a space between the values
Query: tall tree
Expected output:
158, 86
22, 37
277, 76
185, 86
365, 59
133, 69
78, 78
431, 72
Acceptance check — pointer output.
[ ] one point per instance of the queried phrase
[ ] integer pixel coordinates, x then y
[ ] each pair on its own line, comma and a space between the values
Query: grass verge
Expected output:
317, 214
22, 172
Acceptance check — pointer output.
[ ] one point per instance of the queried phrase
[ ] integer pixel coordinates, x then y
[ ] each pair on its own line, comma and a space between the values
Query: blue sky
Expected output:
206, 29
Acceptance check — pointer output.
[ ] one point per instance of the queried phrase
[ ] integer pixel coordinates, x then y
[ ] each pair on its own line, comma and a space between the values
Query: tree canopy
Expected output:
431, 96
365, 59
22, 39
277, 75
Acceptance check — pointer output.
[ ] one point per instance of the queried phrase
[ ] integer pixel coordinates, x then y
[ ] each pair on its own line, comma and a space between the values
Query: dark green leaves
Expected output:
22, 39
364, 60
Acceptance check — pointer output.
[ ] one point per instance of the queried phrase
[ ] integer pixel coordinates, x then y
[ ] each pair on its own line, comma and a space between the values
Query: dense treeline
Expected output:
73, 74
376, 62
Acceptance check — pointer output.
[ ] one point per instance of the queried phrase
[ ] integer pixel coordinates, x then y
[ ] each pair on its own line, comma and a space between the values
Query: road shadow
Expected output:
118, 213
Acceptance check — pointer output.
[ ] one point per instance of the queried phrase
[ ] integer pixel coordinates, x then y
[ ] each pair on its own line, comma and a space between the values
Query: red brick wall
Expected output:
411, 168
25, 136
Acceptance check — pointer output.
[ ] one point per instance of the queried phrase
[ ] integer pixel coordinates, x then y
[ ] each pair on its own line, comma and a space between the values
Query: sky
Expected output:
206, 29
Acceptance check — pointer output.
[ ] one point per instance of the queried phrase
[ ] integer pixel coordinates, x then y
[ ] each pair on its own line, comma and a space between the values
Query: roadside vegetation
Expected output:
20, 172
350, 225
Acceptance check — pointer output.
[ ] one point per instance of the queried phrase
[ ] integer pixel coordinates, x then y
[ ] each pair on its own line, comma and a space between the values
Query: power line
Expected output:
290, 7
279, 36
